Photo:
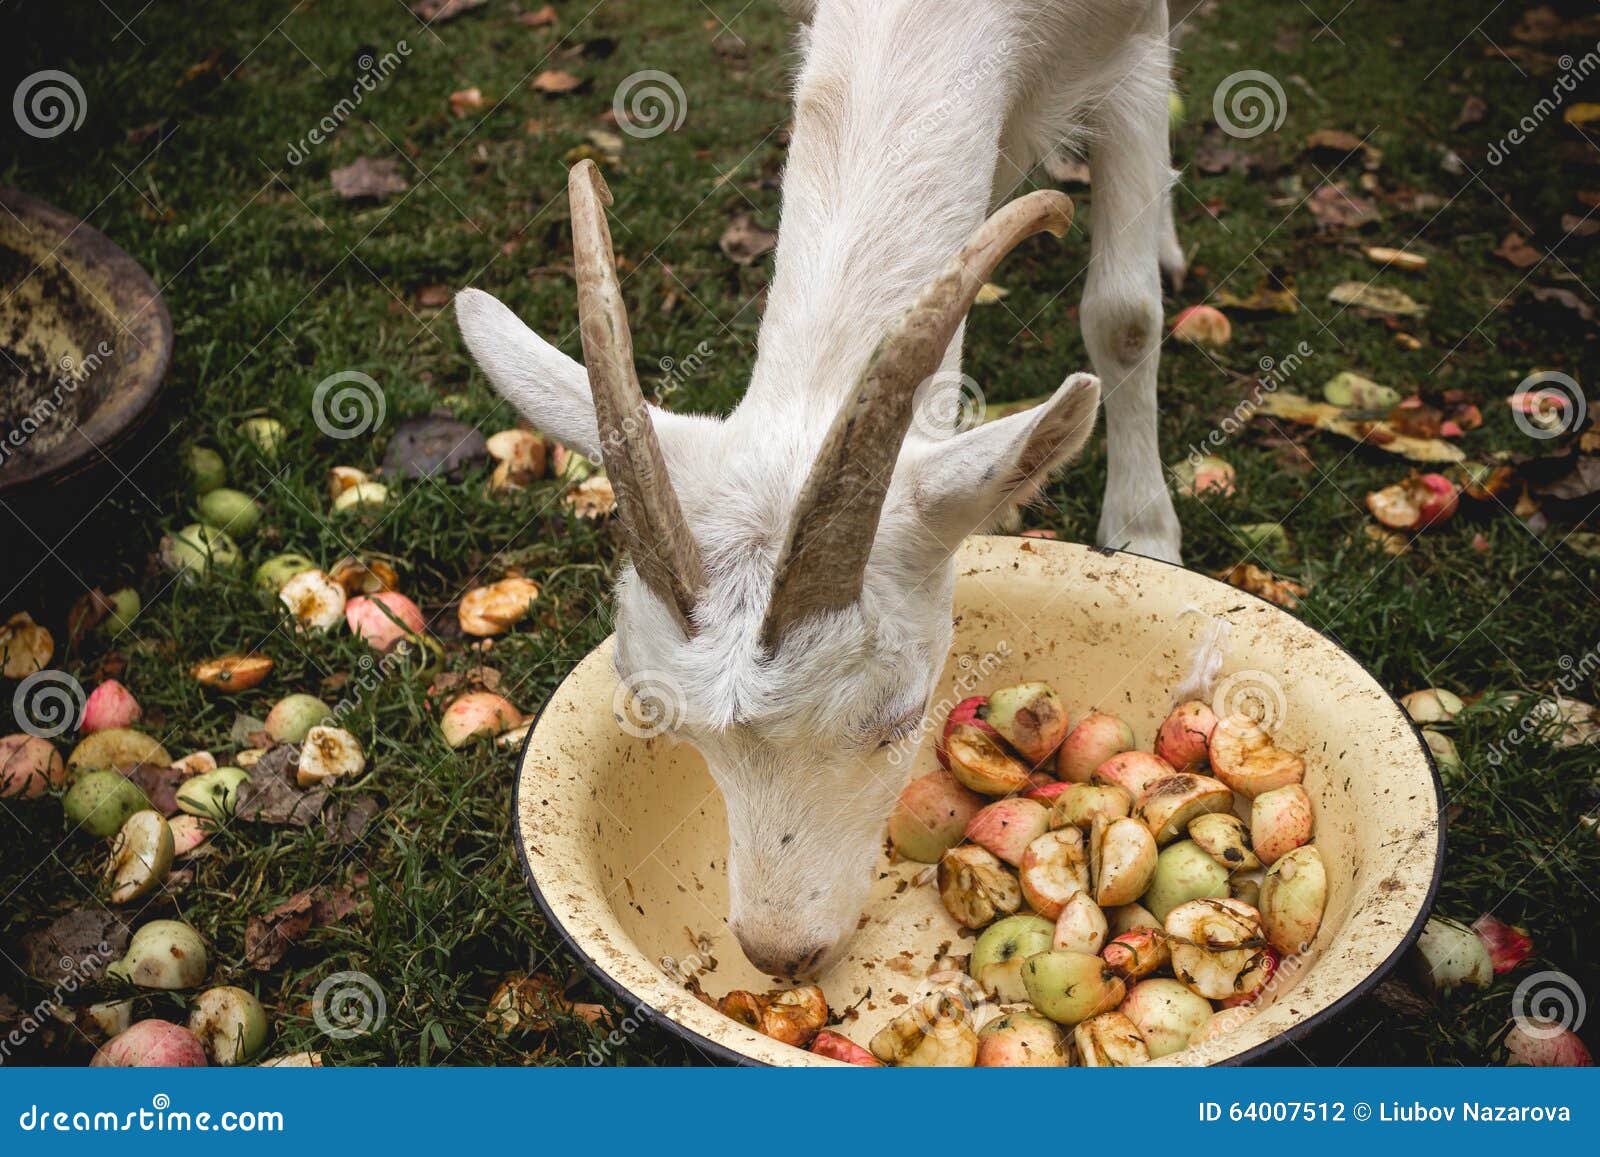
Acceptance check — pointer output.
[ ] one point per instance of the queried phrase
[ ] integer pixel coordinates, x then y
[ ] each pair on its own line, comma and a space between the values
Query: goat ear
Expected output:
967, 483
550, 389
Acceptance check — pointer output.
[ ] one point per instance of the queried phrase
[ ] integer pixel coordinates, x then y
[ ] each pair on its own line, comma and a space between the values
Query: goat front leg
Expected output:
1121, 318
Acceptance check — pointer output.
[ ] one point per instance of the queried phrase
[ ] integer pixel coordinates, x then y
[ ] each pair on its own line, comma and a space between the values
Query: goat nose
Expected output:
784, 963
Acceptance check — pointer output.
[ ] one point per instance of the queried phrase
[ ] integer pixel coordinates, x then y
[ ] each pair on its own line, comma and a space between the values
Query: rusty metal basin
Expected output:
84, 344
624, 845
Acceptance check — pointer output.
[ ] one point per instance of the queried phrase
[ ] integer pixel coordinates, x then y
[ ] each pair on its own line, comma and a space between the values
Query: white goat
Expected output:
791, 565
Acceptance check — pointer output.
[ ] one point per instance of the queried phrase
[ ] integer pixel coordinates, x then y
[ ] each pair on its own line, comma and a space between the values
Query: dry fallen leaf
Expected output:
1262, 583
1389, 541
1273, 295
557, 82
25, 646
439, 11
543, 18
466, 101
1377, 298
1396, 258
743, 240
1515, 250
1305, 412
1336, 208
368, 177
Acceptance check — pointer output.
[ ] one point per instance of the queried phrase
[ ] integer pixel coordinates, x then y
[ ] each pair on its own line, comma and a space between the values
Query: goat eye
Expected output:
900, 728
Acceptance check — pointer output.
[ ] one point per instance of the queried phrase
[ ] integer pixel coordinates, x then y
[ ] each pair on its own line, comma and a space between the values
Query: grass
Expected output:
274, 283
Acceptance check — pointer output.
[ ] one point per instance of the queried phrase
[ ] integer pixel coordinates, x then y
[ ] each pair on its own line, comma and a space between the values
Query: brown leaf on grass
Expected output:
346, 821
272, 795
78, 945
1473, 110
543, 18
87, 613
159, 784
1544, 23
434, 443
1528, 59
743, 240
440, 11
1271, 295
557, 82
1262, 583
1377, 298
1579, 226
268, 937
466, 101
1515, 250
1336, 145
1335, 208
1303, 411
1565, 298
376, 178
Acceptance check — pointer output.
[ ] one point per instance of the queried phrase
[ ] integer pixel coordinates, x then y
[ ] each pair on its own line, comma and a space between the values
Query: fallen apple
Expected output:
212, 795
1184, 739
1077, 804
1054, 868
197, 550
937, 1033
314, 600
837, 1047
519, 458
1122, 860
100, 802
1545, 1044
1445, 756
233, 512
1069, 987
1109, 1040
124, 607
980, 763
1095, 739
1508, 945
25, 647
1244, 756
265, 434
1416, 503
116, 747
272, 574
151, 1044
384, 619
230, 1025
1081, 926
188, 833
141, 856
792, 1015
364, 577
1448, 956
975, 887
1021, 1040
1433, 705
29, 767
1183, 872
998, 955
1135, 954
931, 816
205, 469
1134, 771
496, 608
1203, 325
1225, 839
329, 753
294, 715
1007, 826
232, 673
1280, 821
1293, 896
970, 710
1169, 805
1203, 474
165, 954
475, 714
1165, 1013
109, 705
1031, 718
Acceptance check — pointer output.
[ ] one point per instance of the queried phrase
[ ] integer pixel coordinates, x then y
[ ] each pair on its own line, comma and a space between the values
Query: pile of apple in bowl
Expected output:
1126, 904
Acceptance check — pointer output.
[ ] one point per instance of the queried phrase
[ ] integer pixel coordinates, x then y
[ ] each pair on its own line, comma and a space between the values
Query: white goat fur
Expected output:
912, 117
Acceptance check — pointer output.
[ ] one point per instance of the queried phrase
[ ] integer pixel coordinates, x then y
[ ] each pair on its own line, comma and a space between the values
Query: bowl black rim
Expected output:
722, 1054
134, 295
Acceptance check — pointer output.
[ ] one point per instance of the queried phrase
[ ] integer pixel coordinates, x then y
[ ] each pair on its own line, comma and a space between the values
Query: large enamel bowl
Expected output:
624, 845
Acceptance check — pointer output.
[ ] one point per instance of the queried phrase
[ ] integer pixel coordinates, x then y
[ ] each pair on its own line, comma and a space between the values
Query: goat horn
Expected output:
835, 521
663, 551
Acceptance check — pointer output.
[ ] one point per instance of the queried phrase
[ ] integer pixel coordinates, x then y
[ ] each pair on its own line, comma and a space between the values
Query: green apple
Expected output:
1183, 872
272, 574
1166, 1014
230, 1023
100, 802
206, 471
998, 955
1069, 987
214, 794
232, 511
1293, 896
1030, 717
162, 954
1021, 1040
